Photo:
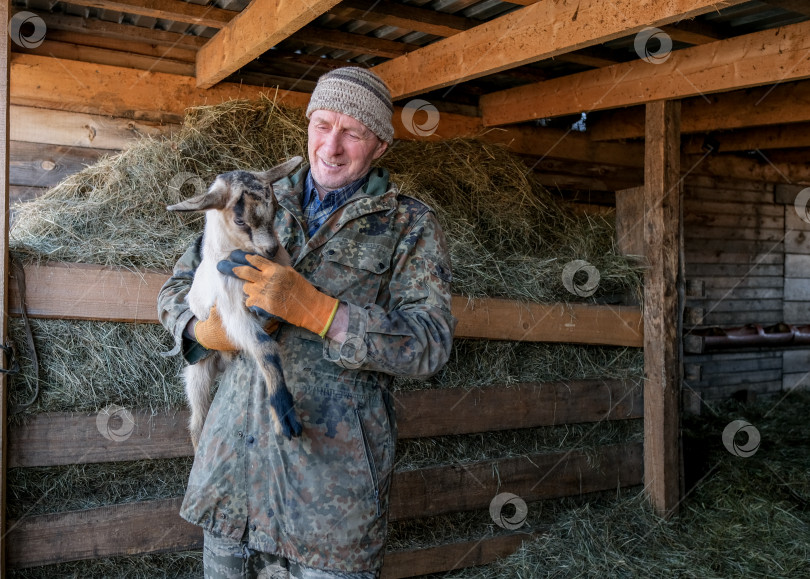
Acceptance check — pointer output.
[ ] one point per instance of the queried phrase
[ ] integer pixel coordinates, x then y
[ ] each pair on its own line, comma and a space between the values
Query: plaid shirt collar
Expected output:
316, 212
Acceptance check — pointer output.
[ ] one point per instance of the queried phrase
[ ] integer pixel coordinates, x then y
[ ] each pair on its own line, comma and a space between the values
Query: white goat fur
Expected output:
221, 236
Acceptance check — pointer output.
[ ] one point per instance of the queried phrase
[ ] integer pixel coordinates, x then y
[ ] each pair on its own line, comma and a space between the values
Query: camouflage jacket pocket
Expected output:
358, 267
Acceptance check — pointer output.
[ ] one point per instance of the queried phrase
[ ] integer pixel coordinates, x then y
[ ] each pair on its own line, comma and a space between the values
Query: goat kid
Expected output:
240, 208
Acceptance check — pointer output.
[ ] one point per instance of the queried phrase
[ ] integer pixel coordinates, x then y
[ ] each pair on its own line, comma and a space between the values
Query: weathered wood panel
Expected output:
52, 439
663, 288
87, 292
151, 527
38, 165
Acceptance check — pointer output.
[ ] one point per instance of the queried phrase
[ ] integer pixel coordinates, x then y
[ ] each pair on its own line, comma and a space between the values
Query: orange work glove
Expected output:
280, 291
211, 334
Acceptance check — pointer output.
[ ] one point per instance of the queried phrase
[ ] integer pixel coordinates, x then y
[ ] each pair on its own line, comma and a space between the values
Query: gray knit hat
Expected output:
359, 93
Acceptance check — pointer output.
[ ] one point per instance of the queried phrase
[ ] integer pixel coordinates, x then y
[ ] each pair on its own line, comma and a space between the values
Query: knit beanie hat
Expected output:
359, 93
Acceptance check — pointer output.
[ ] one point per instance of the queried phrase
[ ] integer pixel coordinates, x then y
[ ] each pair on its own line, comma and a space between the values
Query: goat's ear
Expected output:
272, 175
215, 198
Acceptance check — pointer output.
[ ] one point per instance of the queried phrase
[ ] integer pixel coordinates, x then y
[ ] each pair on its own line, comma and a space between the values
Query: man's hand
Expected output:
211, 334
281, 291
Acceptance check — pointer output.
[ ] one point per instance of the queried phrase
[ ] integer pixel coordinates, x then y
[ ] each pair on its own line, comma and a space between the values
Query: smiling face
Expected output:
341, 149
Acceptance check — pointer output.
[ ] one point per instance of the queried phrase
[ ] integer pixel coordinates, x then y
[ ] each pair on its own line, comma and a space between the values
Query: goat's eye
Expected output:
238, 222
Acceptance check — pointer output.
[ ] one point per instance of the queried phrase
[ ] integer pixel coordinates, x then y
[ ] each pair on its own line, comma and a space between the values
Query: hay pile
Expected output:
508, 237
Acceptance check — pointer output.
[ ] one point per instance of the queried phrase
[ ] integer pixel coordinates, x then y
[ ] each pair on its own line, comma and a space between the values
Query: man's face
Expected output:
341, 149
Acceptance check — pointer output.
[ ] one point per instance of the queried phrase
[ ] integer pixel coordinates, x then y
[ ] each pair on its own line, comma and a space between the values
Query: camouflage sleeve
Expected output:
413, 335
173, 311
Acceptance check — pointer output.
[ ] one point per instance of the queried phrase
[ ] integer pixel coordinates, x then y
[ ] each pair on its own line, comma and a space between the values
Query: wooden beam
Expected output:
543, 30
797, 6
174, 10
662, 306
770, 56
692, 32
121, 92
114, 30
791, 136
5, 68
438, 490
359, 43
259, 27
61, 438
52, 127
155, 526
387, 13
448, 557
630, 221
182, 54
88, 292
115, 57
158, 97
770, 105
38, 165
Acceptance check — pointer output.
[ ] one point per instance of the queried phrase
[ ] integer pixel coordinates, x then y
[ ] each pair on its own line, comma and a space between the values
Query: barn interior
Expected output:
682, 125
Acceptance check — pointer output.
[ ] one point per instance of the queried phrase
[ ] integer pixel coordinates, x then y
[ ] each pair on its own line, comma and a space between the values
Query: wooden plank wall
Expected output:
747, 262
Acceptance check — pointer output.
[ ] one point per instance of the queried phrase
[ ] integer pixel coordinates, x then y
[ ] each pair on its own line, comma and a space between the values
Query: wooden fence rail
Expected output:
91, 292
52, 439
155, 526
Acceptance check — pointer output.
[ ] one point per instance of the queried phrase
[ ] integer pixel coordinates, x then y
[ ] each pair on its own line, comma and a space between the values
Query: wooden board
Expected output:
769, 105
543, 30
145, 527
87, 292
54, 127
630, 221
253, 31
443, 558
436, 490
52, 439
4, 270
154, 526
663, 286
36, 165
57, 438
439, 412
499, 319
758, 58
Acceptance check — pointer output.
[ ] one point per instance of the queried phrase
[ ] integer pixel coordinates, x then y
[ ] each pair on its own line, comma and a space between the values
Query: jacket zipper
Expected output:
369, 462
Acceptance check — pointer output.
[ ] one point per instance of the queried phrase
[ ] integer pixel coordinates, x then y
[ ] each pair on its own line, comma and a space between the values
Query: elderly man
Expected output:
367, 299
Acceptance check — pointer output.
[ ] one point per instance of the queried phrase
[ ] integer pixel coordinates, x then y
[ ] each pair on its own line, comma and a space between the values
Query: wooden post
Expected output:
662, 305
4, 109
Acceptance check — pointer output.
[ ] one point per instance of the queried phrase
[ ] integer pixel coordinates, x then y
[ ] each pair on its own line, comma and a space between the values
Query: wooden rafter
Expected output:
175, 10
762, 138
797, 6
114, 30
387, 13
259, 27
767, 105
543, 30
353, 42
770, 56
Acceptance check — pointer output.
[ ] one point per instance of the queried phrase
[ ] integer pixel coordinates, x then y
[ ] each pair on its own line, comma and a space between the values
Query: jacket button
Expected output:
253, 527
250, 439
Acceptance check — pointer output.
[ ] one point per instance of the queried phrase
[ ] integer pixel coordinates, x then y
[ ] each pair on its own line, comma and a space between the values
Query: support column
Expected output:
662, 305
5, 56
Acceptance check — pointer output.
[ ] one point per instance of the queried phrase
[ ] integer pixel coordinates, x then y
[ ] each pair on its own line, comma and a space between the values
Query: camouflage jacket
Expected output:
322, 499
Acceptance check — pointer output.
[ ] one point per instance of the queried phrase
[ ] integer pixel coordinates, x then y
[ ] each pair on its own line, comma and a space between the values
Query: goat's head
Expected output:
243, 206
